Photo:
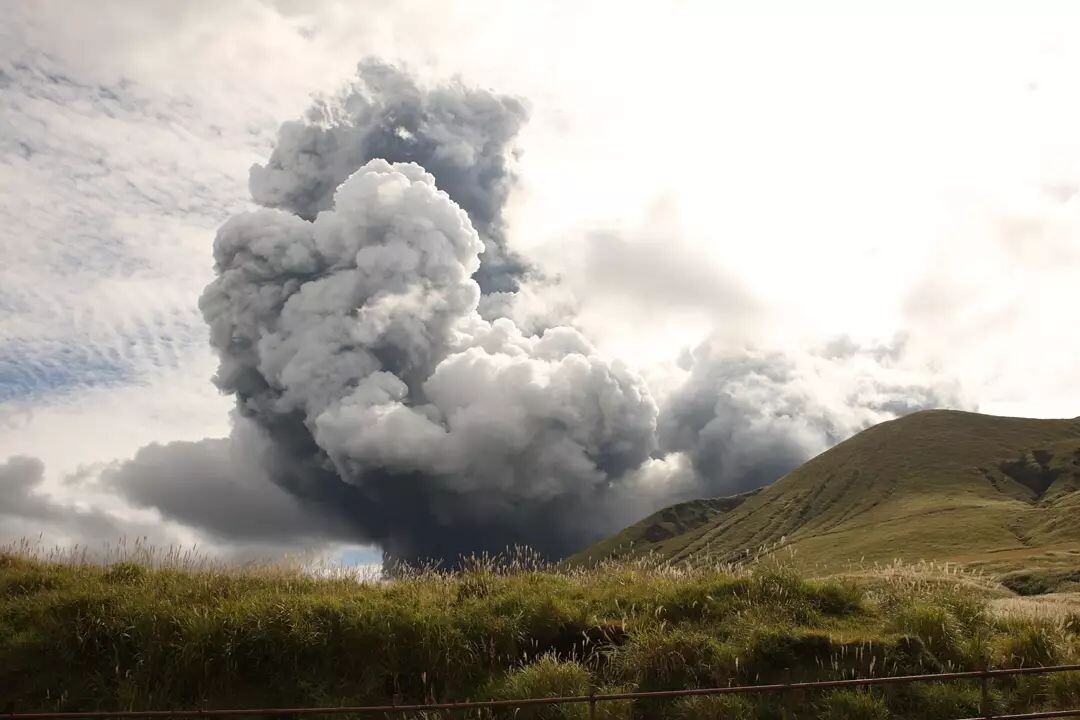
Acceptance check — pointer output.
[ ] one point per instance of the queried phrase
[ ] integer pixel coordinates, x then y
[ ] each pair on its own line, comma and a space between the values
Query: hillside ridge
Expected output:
939, 485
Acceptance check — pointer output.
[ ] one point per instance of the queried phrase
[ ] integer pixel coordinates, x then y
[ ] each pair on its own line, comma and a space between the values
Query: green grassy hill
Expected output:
994, 492
665, 532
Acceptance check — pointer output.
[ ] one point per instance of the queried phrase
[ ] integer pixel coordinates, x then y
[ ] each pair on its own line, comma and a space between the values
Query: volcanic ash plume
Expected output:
354, 342
461, 135
743, 420
389, 410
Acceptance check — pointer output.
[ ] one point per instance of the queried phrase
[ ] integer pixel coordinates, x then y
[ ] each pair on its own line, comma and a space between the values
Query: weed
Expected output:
942, 701
1029, 643
853, 705
547, 676
713, 707
158, 630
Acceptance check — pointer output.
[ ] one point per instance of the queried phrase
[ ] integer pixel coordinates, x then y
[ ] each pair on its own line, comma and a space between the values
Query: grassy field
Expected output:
991, 492
80, 636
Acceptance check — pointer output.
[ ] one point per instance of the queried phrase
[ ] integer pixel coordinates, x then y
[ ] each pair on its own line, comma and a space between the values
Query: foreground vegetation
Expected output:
76, 635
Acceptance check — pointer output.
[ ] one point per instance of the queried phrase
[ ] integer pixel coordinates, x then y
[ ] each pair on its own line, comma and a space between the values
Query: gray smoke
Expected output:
460, 135
216, 485
746, 419
19, 478
221, 486
376, 402
353, 341
27, 512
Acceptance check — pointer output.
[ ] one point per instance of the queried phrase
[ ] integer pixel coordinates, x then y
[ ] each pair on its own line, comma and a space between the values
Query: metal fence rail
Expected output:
984, 675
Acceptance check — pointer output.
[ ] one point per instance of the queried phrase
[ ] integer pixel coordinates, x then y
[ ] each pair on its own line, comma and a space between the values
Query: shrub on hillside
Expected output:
548, 676
124, 572
853, 705
1064, 690
944, 701
934, 625
773, 654
674, 658
837, 598
1029, 643
713, 707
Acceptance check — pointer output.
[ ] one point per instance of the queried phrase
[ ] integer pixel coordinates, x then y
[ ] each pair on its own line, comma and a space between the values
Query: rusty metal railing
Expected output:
985, 676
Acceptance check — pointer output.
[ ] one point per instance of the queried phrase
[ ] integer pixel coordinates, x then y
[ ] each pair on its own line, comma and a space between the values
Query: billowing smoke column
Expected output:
354, 342
460, 135
345, 317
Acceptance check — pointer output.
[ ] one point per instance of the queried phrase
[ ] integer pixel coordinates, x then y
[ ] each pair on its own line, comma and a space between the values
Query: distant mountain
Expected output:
941, 485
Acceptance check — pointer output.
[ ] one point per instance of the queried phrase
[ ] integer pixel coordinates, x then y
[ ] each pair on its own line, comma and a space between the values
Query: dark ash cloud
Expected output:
376, 403
18, 478
26, 512
213, 487
354, 343
222, 486
461, 135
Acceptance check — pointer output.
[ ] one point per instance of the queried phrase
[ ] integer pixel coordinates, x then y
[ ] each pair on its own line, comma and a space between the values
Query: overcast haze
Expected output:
353, 278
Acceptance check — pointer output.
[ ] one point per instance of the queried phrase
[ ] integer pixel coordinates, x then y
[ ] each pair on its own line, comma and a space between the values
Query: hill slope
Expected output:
664, 532
938, 485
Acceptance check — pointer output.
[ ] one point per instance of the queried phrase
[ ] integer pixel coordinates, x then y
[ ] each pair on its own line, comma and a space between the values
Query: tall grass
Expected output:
146, 629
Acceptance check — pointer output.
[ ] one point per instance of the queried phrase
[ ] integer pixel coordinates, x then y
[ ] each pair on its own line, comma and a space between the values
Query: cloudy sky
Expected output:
716, 239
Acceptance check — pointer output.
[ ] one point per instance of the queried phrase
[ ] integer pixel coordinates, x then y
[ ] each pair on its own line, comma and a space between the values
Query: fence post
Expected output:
987, 712
592, 703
